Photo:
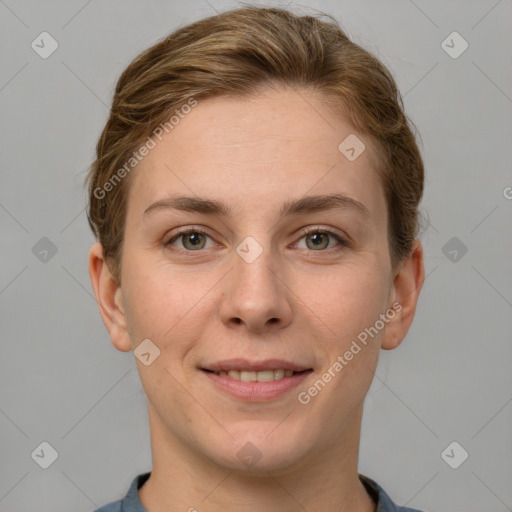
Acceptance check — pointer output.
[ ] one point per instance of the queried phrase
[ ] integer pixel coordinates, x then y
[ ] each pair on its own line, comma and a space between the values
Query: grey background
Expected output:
61, 380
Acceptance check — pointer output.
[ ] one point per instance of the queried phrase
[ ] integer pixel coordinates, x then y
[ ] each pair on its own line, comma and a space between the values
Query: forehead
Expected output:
257, 150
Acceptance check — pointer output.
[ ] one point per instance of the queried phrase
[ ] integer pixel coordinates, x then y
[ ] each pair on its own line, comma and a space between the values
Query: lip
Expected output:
256, 391
254, 366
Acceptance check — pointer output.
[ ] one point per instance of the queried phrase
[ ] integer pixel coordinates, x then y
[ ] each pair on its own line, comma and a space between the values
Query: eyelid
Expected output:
342, 239
185, 231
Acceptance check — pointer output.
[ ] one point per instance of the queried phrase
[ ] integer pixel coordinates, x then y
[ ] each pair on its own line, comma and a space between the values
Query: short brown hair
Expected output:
237, 53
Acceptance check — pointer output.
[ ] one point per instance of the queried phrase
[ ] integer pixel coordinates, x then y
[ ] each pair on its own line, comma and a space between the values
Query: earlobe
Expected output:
406, 288
109, 298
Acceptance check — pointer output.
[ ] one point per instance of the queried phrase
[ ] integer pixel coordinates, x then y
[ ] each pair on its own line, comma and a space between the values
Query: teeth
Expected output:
263, 376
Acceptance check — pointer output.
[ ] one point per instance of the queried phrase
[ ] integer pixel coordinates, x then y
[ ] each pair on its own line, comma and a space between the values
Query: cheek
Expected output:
350, 307
347, 300
164, 306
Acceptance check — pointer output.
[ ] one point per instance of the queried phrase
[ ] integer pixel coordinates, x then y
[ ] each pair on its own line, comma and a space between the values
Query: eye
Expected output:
192, 239
319, 239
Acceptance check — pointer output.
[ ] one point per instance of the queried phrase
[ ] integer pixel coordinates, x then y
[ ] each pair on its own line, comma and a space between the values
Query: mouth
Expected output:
257, 376
255, 381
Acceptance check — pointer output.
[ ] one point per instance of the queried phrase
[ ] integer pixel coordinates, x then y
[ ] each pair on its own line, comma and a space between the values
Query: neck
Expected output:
183, 480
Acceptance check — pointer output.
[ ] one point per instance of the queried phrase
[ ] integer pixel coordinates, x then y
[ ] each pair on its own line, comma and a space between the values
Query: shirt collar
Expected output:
131, 502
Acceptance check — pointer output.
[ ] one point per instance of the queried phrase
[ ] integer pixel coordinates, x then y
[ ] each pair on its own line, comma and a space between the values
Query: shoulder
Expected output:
130, 502
381, 497
114, 506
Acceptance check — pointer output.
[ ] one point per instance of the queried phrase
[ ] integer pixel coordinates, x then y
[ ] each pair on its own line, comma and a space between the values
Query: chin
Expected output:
262, 450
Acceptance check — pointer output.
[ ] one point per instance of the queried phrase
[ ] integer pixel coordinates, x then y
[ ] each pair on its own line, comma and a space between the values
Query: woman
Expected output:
255, 200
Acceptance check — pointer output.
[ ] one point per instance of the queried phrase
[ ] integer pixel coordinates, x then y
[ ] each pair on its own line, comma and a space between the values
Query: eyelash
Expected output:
318, 229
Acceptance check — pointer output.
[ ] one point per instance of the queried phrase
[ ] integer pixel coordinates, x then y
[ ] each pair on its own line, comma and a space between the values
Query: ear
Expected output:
109, 297
405, 290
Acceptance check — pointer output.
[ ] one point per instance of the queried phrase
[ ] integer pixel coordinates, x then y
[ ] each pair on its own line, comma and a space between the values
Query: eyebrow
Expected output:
307, 204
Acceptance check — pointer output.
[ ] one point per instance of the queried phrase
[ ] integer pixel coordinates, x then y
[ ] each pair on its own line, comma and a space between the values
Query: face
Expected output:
278, 260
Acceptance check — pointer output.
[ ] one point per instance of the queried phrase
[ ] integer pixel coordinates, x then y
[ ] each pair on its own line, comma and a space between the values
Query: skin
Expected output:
295, 301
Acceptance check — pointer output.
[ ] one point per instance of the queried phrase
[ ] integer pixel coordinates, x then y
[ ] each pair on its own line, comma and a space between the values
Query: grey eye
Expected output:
319, 240
191, 240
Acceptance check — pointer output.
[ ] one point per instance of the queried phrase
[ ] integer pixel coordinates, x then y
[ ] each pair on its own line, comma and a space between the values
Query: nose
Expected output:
257, 297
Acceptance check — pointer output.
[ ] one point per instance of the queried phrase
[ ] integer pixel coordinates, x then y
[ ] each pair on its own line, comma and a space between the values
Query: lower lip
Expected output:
256, 391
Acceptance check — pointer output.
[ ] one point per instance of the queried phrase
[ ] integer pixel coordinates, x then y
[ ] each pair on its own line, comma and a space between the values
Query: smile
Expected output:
255, 386
253, 376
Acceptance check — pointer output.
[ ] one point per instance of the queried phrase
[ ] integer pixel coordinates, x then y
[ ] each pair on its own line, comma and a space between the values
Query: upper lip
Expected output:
255, 366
